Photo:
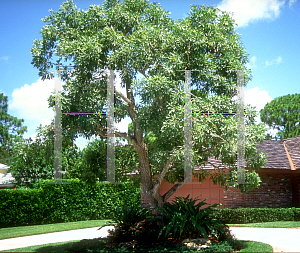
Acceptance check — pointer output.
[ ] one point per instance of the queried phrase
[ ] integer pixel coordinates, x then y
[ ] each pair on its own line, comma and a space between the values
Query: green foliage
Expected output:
32, 161
134, 222
283, 113
92, 165
137, 36
52, 203
219, 247
8, 124
257, 215
190, 221
20, 207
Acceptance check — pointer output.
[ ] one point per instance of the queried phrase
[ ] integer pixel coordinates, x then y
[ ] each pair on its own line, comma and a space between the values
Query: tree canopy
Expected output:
34, 160
136, 36
8, 124
283, 113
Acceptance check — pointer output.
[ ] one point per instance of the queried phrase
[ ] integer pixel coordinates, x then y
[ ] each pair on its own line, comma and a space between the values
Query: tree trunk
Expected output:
149, 189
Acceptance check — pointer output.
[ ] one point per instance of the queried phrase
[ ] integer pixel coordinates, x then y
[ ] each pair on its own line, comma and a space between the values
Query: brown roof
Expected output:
278, 154
293, 147
282, 155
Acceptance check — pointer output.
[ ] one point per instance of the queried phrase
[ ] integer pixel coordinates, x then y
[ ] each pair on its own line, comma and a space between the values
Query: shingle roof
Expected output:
276, 154
277, 157
293, 147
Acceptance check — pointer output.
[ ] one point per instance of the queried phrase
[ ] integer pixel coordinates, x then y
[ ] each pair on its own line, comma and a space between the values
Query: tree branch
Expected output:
120, 94
218, 136
157, 184
170, 192
142, 71
117, 134
160, 177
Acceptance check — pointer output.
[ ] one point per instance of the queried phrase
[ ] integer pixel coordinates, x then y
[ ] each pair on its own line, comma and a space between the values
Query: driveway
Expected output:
281, 239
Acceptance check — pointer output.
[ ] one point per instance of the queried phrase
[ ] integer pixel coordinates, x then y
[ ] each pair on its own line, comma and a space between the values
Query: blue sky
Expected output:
269, 30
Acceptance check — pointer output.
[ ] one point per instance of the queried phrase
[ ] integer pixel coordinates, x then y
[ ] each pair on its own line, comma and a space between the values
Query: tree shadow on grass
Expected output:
85, 245
106, 245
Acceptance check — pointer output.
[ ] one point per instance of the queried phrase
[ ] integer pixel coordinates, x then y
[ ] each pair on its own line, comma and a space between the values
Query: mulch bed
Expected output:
169, 240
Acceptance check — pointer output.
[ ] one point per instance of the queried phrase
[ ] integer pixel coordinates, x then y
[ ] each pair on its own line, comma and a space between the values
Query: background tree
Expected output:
92, 166
136, 36
283, 113
270, 137
34, 160
9, 126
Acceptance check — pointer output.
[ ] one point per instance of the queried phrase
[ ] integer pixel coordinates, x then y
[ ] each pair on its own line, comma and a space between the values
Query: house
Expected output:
279, 186
6, 179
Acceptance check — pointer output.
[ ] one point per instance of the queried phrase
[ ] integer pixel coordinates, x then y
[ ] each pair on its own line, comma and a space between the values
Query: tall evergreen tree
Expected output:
283, 113
11, 131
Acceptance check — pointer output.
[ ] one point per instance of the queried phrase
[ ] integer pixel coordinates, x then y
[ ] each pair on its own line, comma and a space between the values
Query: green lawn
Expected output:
274, 224
12, 232
95, 244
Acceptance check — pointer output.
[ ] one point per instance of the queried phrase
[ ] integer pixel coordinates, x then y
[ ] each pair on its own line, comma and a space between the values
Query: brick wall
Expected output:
206, 190
274, 191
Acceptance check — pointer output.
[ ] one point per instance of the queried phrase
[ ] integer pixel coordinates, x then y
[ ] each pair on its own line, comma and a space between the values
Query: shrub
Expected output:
184, 219
219, 247
133, 223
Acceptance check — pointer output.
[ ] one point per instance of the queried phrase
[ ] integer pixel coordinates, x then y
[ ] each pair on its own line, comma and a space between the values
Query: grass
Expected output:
13, 232
273, 224
253, 246
95, 245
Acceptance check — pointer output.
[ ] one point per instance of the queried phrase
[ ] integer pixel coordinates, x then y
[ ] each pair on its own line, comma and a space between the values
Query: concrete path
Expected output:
281, 239
64, 236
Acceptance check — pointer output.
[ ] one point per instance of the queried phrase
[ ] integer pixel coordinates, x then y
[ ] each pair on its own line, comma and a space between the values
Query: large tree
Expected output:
136, 36
283, 113
11, 131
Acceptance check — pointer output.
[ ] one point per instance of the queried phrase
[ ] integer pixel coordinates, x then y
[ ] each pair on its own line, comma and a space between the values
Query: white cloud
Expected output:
252, 63
276, 61
291, 2
4, 58
258, 98
247, 11
30, 103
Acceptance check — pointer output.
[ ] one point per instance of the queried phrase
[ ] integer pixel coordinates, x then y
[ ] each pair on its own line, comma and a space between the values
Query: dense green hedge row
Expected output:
51, 203
255, 215
78, 201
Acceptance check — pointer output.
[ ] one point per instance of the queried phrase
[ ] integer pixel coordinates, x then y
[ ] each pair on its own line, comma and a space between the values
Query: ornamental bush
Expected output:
184, 219
134, 223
